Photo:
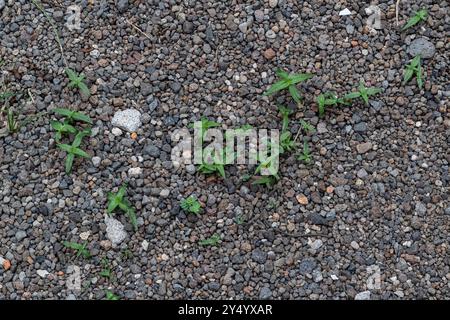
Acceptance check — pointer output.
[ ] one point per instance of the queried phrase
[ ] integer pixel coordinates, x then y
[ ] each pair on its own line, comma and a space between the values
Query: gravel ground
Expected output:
368, 218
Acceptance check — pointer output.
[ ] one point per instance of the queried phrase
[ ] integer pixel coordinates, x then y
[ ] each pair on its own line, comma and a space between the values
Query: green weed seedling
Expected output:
306, 154
239, 219
74, 150
111, 296
414, 68
307, 126
77, 81
289, 82
286, 142
420, 15
363, 93
62, 129
118, 200
72, 116
273, 177
211, 241
325, 100
80, 248
191, 205
106, 269
214, 166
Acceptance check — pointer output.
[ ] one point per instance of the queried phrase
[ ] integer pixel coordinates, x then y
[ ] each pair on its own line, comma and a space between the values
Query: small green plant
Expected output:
211, 241
71, 116
80, 248
288, 81
126, 254
307, 126
111, 296
61, 129
266, 180
213, 165
418, 16
363, 93
74, 150
286, 142
413, 68
239, 219
306, 154
325, 100
191, 205
77, 81
106, 269
118, 200
11, 114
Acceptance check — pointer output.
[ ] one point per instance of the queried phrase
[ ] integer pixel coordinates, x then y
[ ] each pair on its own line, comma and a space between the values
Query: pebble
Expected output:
42, 273
115, 231
129, 120
364, 147
365, 295
422, 47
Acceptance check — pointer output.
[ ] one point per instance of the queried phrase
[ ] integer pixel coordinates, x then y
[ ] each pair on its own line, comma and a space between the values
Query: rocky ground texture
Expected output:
368, 218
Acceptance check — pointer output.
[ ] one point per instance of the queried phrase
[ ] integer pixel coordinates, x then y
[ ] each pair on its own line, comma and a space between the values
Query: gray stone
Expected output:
2, 4
122, 5
421, 209
363, 147
259, 256
421, 46
20, 235
152, 150
115, 230
129, 119
316, 218
362, 173
365, 295
259, 15
360, 127
265, 293
307, 265
350, 29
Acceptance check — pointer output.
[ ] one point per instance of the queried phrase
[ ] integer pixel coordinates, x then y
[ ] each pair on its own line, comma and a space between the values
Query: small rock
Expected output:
129, 119
144, 245
316, 244
321, 128
354, 245
316, 218
302, 199
85, 235
364, 147
133, 172
42, 273
269, 54
20, 235
96, 160
362, 173
115, 230
259, 256
421, 46
345, 12
307, 265
164, 193
122, 5
273, 3
116, 132
365, 295
2, 4
265, 293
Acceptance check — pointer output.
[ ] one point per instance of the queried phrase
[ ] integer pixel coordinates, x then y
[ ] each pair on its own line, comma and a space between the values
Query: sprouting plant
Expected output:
266, 180
413, 68
71, 116
127, 254
268, 164
239, 219
246, 177
191, 205
213, 165
12, 114
418, 16
211, 241
80, 248
289, 81
77, 81
74, 150
363, 93
324, 100
307, 126
118, 200
106, 269
111, 296
286, 142
306, 154
62, 128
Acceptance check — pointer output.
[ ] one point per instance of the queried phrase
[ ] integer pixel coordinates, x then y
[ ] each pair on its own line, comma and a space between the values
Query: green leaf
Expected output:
122, 190
282, 74
111, 296
64, 112
300, 77
352, 95
81, 117
277, 86
418, 16
113, 203
294, 93
221, 170
71, 74
407, 75
373, 91
69, 162
81, 153
65, 147
84, 89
